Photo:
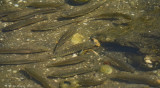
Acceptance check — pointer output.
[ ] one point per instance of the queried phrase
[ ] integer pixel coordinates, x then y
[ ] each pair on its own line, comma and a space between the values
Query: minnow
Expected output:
5, 13
17, 62
38, 76
87, 80
114, 16
64, 72
14, 16
55, 25
23, 23
21, 60
68, 61
82, 11
25, 14
73, 49
44, 5
66, 36
137, 78
21, 51
120, 64
90, 82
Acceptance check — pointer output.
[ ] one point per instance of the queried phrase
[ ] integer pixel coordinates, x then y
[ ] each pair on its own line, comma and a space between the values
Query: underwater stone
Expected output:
106, 69
77, 38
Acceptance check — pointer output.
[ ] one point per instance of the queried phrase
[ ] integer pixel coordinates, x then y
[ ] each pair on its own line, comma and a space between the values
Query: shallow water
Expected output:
127, 30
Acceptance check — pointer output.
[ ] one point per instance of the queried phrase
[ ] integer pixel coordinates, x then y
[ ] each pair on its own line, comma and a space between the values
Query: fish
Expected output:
15, 16
55, 25
74, 48
111, 16
84, 9
26, 14
23, 23
90, 80
20, 60
137, 78
38, 76
68, 61
78, 2
44, 5
119, 64
84, 80
21, 51
17, 62
5, 13
71, 71
66, 36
